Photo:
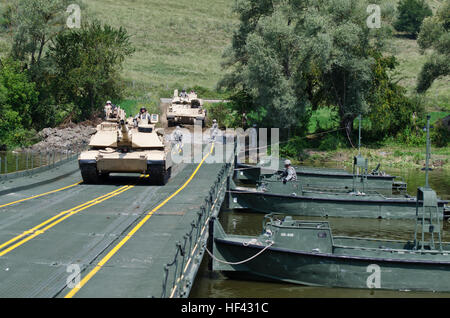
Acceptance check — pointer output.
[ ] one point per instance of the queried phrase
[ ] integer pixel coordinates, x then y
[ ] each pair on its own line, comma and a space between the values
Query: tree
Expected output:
435, 35
87, 62
34, 23
294, 56
411, 13
391, 111
17, 97
32, 26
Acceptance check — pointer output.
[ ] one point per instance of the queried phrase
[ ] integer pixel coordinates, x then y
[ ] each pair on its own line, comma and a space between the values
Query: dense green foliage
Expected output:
17, 96
441, 134
435, 35
411, 13
391, 113
34, 24
293, 57
89, 61
55, 73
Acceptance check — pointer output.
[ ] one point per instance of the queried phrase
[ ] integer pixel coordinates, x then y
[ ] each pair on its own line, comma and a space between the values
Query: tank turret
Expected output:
121, 146
186, 110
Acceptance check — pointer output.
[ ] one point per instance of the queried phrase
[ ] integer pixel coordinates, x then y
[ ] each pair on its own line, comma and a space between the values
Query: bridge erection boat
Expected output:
324, 178
307, 253
360, 179
272, 196
295, 198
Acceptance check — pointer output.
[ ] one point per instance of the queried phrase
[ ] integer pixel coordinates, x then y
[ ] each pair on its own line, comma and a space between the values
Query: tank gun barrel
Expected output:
125, 132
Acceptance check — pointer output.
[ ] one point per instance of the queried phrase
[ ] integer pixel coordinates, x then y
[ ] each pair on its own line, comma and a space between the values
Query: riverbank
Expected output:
394, 156
63, 139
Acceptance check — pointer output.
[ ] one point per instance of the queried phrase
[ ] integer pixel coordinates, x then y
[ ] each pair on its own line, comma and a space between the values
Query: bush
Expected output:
411, 14
440, 135
87, 65
412, 137
294, 147
331, 142
224, 113
391, 110
18, 97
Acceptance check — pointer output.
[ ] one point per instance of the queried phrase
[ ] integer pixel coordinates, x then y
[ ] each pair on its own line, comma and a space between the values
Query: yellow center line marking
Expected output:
53, 218
41, 231
148, 215
40, 195
38, 229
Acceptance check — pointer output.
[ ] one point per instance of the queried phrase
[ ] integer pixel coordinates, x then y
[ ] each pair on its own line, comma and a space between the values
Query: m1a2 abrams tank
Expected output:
125, 146
186, 109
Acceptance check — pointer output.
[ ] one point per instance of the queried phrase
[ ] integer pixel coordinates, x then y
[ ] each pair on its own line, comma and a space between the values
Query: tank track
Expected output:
90, 174
160, 176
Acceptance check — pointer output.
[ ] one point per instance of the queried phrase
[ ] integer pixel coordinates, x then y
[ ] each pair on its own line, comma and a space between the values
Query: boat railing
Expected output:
392, 250
281, 220
384, 249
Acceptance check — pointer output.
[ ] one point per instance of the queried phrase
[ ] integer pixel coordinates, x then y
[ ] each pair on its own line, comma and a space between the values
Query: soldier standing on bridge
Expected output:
289, 173
177, 138
214, 130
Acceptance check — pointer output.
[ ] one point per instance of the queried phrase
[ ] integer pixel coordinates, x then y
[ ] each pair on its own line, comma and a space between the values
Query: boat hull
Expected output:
324, 179
315, 269
325, 206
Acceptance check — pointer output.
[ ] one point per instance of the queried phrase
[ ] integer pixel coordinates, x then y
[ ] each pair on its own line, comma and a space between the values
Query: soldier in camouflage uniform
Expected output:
177, 138
289, 173
214, 130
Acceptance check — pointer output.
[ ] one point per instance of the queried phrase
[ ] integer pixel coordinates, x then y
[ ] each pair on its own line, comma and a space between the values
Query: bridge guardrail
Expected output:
179, 274
18, 164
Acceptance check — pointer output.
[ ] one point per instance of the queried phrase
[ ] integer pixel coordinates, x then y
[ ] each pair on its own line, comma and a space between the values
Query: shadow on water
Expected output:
210, 284
134, 179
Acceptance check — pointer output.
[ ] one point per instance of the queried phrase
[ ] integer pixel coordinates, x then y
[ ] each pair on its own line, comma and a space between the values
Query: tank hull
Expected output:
174, 119
186, 110
154, 163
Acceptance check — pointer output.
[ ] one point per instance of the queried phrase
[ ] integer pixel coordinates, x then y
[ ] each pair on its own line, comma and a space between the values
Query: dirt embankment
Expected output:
64, 139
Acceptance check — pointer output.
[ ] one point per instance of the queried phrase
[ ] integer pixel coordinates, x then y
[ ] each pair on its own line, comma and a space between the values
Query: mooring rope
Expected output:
241, 262
305, 137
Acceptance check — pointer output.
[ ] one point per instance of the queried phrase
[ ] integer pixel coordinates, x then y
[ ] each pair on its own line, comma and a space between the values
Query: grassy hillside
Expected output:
411, 61
179, 42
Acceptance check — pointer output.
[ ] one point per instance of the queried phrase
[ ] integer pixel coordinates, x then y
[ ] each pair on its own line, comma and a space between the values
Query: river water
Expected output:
215, 285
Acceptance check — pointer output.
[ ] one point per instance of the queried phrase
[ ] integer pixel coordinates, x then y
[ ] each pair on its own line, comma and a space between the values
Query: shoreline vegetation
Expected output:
186, 50
392, 156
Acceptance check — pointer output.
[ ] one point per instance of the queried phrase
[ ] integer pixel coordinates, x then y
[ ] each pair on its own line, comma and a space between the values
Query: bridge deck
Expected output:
82, 224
